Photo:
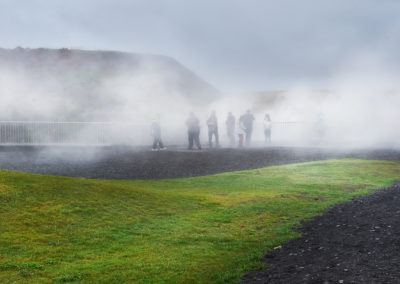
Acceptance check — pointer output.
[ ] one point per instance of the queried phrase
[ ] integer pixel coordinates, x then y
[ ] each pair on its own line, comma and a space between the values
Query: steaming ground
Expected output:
140, 163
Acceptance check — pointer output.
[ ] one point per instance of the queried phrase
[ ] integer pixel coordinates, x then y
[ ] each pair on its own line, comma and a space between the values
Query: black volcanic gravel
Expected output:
354, 242
136, 163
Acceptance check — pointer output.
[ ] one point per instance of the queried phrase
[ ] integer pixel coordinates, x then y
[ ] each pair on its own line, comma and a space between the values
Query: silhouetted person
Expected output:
212, 123
230, 128
248, 119
156, 132
193, 126
267, 128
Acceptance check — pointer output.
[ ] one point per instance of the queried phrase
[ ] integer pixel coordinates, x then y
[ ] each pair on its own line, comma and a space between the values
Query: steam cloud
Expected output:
358, 107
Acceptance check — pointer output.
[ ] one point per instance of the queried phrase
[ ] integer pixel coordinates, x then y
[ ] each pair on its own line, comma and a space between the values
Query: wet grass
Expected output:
209, 229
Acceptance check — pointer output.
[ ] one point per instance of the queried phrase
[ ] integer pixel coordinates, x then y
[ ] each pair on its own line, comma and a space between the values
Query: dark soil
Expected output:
137, 163
354, 242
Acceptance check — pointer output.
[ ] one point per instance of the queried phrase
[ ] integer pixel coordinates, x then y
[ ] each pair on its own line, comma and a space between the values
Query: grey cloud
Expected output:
234, 44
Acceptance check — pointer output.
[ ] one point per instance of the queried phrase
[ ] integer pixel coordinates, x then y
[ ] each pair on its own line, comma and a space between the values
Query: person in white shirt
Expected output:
267, 128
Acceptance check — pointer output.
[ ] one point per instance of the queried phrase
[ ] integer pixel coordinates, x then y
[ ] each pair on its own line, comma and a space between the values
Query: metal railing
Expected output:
112, 133
47, 133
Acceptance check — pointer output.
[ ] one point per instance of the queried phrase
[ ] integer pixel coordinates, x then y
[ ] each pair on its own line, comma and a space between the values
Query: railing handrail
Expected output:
72, 122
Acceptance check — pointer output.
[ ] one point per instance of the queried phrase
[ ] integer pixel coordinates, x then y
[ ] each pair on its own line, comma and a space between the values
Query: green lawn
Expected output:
203, 229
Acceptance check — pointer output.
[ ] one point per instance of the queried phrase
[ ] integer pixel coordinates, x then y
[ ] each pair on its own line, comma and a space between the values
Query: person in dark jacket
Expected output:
193, 126
248, 119
230, 128
212, 123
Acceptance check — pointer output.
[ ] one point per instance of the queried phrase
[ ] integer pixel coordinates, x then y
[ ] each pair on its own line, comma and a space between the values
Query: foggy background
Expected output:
304, 62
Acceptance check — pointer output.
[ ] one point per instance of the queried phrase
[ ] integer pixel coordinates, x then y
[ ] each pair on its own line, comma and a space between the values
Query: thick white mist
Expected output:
358, 107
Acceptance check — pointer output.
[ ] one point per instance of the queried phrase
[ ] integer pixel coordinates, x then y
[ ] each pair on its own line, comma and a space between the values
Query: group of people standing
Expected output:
243, 128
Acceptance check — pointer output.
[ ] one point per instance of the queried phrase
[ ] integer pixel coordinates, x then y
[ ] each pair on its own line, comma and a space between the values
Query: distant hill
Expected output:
67, 84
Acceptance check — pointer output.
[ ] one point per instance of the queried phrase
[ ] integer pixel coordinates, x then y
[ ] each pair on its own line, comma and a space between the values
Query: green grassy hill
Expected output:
203, 229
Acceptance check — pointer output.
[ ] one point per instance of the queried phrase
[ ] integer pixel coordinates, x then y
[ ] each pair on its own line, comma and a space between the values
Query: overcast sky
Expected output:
234, 44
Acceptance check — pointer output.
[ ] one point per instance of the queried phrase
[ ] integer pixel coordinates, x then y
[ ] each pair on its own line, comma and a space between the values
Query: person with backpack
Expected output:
248, 119
193, 126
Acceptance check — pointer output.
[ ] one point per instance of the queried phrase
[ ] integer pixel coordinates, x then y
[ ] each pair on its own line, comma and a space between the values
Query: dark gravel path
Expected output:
136, 163
354, 242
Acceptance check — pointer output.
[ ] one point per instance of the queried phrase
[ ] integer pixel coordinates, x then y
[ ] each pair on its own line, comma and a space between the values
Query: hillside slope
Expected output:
64, 84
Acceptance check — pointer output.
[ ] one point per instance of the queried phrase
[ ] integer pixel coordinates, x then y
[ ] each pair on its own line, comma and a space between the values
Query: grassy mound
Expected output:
203, 229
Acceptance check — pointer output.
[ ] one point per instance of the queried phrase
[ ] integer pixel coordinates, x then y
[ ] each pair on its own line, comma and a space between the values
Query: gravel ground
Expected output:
354, 242
140, 163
